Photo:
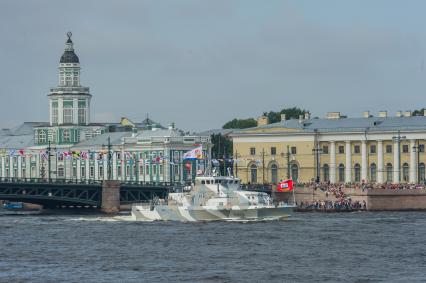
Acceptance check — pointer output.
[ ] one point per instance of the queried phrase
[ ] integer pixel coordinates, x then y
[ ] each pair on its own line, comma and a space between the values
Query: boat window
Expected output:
236, 182
216, 181
203, 182
208, 182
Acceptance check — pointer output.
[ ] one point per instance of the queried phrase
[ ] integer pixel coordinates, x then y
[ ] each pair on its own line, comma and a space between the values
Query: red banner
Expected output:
285, 186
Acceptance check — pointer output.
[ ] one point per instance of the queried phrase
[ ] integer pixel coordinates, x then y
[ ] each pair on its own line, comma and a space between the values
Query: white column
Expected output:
413, 161
78, 170
87, 111
3, 167
19, 167
114, 166
332, 162
75, 112
364, 165
11, 167
60, 111
123, 165
28, 167
396, 153
50, 112
380, 168
87, 168
96, 171
348, 174
105, 163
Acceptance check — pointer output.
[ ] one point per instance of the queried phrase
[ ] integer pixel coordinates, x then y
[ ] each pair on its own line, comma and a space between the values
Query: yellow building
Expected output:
336, 149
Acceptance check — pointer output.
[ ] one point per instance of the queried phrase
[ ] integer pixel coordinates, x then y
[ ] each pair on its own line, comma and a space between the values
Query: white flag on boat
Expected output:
196, 153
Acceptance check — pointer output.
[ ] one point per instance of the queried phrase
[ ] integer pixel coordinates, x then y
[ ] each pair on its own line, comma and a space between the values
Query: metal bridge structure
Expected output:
69, 193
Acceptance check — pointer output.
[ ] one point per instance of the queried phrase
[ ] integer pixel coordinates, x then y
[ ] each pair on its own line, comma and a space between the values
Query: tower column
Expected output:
348, 173
396, 161
413, 161
364, 164
75, 111
332, 162
60, 111
380, 168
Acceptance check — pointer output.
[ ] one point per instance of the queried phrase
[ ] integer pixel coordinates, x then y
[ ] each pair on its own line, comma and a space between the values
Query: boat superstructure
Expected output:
212, 198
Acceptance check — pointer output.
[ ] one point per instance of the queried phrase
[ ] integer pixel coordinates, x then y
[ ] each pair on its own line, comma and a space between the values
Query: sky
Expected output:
202, 63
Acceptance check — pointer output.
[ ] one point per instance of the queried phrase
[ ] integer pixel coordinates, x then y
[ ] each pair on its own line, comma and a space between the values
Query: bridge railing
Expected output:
86, 181
257, 187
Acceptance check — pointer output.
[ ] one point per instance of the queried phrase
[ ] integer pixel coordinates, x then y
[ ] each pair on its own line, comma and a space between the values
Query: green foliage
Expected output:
291, 113
222, 146
240, 124
418, 112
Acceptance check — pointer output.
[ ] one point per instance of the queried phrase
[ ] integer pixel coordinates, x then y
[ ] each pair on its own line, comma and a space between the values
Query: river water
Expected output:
326, 247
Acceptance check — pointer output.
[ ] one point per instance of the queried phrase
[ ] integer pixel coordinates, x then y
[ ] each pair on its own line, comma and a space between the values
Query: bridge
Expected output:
69, 193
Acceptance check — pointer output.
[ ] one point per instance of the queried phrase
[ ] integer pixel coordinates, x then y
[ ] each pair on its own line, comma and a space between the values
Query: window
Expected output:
42, 137
274, 174
54, 115
341, 173
74, 172
101, 172
405, 148
118, 155
23, 160
83, 172
405, 171
60, 172
92, 171
154, 169
341, 149
66, 136
253, 174
293, 150
326, 173
373, 172
421, 172
389, 148
273, 150
294, 172
357, 171
421, 148
389, 172
147, 169
373, 148
61, 157
160, 167
356, 149
141, 169
24, 173
81, 115
252, 151
325, 149
119, 171
68, 117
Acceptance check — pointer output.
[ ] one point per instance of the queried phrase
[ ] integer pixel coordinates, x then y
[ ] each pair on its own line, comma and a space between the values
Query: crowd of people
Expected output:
327, 186
343, 204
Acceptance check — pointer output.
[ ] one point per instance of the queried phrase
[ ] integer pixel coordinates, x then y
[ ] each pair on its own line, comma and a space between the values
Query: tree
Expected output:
291, 113
222, 150
240, 124
418, 112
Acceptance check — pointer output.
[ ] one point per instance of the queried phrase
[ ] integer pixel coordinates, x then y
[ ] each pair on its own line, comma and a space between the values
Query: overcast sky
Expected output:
202, 63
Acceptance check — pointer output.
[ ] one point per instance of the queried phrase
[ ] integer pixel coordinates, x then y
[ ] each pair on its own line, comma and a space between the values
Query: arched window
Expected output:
421, 172
405, 168
66, 136
341, 173
326, 173
274, 174
373, 172
389, 173
253, 174
294, 172
357, 172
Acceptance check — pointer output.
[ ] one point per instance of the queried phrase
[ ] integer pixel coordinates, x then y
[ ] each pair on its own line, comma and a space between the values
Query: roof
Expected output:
103, 139
374, 124
69, 57
16, 142
223, 132
159, 133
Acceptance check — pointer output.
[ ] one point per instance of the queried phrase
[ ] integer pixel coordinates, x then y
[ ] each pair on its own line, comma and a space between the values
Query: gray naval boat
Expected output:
212, 198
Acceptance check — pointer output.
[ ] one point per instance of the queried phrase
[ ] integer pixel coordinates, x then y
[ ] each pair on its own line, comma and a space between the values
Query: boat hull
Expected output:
167, 213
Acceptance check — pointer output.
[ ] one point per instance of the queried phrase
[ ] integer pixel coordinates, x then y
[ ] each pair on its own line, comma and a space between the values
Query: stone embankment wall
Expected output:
376, 199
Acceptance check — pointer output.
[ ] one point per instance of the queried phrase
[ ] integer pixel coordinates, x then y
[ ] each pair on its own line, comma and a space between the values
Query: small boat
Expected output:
212, 198
13, 205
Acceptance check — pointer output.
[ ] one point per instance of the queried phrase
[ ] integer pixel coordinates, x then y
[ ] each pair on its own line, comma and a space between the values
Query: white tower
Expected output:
69, 103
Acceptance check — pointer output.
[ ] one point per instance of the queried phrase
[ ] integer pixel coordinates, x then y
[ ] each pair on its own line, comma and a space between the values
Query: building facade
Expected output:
71, 147
334, 149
